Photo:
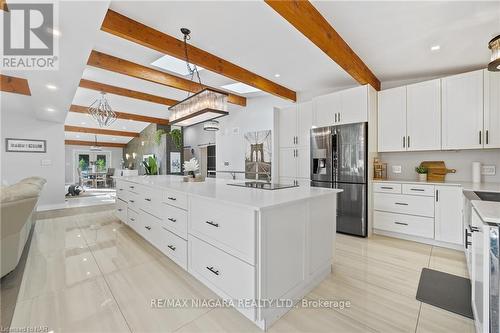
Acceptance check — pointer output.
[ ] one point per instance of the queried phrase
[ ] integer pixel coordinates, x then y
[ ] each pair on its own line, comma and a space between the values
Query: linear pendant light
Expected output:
207, 104
494, 45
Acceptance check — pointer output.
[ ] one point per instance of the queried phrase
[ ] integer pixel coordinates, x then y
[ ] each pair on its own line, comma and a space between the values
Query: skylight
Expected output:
240, 88
172, 64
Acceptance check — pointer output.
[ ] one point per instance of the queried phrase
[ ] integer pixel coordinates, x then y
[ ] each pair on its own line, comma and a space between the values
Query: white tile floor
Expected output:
91, 273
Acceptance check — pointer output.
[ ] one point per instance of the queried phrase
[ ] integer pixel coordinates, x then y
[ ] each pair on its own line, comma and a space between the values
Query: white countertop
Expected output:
489, 211
467, 186
216, 188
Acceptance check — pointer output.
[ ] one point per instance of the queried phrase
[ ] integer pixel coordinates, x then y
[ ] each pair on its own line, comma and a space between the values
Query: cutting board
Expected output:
436, 170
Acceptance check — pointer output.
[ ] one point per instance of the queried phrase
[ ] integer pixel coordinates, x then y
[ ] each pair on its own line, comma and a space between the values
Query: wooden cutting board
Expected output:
436, 170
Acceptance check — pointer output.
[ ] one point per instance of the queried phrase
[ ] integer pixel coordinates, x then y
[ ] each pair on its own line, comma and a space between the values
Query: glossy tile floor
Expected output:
90, 273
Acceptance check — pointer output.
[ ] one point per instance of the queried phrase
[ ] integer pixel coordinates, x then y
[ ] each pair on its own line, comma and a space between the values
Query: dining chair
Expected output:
99, 178
109, 177
82, 179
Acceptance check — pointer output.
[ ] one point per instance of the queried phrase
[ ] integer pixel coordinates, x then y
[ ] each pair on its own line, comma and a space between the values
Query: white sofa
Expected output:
17, 205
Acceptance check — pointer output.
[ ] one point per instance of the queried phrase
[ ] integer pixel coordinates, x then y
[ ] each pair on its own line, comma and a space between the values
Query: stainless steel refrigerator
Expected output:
339, 157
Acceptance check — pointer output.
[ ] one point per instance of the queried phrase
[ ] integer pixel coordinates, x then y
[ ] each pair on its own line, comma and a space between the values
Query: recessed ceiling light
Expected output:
50, 109
240, 88
435, 48
172, 64
77, 136
277, 75
114, 139
83, 123
51, 86
124, 128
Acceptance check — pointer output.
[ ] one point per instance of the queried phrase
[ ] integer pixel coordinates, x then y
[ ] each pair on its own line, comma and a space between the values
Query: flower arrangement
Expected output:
191, 167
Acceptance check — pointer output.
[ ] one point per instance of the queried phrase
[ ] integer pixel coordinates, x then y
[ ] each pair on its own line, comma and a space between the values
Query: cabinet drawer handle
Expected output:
132, 186
487, 137
171, 247
131, 219
417, 189
172, 198
400, 223
119, 209
148, 227
120, 189
211, 269
467, 243
335, 117
474, 229
401, 203
171, 219
480, 135
212, 223
131, 201
386, 187
147, 199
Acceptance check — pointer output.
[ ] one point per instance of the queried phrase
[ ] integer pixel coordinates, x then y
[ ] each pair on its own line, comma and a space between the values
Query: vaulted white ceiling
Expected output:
392, 38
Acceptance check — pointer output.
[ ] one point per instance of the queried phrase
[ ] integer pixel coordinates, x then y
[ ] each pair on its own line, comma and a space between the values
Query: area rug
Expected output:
445, 291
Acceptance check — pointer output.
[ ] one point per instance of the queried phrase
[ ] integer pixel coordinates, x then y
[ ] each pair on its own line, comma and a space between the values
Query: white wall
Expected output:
16, 166
459, 160
195, 136
258, 115
70, 157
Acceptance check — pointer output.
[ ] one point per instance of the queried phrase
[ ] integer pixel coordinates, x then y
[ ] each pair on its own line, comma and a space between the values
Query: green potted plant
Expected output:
176, 135
100, 164
422, 173
151, 166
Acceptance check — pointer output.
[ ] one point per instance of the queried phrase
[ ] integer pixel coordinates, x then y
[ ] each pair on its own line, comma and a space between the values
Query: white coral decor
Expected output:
191, 166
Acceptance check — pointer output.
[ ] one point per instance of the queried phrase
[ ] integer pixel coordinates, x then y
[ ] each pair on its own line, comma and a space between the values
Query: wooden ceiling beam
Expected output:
125, 67
14, 85
124, 27
68, 128
92, 143
88, 84
123, 115
308, 20
3, 5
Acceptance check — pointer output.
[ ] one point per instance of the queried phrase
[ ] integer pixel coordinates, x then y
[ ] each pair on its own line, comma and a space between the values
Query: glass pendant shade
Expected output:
494, 45
102, 112
212, 125
205, 105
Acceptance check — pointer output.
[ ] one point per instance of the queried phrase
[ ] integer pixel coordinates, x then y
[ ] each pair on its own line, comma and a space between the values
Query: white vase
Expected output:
422, 177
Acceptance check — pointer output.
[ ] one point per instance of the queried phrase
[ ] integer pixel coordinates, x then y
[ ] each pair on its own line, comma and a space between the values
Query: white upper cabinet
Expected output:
354, 105
462, 111
326, 109
423, 116
491, 109
448, 214
392, 120
287, 126
341, 107
304, 123
287, 162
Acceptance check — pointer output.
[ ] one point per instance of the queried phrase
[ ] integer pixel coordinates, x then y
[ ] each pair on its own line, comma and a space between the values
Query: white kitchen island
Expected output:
259, 250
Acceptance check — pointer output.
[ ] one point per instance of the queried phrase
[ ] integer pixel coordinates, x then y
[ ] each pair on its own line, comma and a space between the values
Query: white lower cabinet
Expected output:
242, 253
449, 210
428, 212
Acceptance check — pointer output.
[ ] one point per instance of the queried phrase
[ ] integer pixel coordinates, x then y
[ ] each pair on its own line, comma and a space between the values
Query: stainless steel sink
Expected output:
488, 196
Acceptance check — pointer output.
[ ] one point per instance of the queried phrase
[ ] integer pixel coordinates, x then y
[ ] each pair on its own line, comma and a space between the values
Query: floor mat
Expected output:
446, 291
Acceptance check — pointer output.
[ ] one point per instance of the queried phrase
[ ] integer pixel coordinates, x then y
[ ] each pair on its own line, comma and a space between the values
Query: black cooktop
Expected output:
263, 185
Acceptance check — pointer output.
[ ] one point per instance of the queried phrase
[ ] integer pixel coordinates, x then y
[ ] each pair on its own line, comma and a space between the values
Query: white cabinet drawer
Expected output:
151, 201
121, 191
172, 246
174, 198
133, 200
230, 275
148, 226
418, 189
404, 224
121, 210
174, 219
387, 187
133, 219
404, 204
132, 187
228, 227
